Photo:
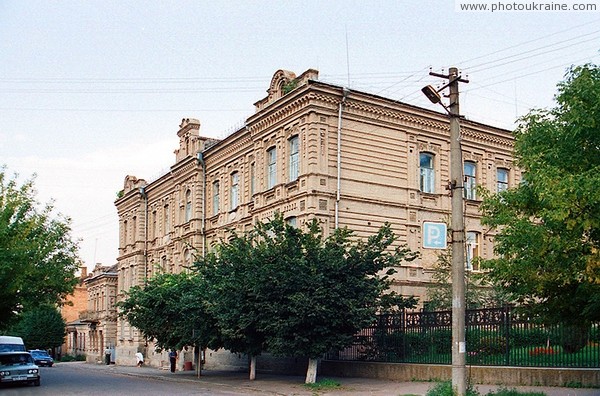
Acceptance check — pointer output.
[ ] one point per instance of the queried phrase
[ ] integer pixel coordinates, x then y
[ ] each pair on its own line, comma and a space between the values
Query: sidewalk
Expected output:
269, 384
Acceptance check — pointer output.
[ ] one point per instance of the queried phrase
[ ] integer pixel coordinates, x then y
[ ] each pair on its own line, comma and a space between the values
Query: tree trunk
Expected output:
311, 372
199, 354
252, 368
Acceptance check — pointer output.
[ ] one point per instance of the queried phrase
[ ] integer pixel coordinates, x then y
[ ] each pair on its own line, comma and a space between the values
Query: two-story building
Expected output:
310, 150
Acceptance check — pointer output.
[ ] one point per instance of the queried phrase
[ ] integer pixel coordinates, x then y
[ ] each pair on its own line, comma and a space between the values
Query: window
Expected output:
294, 158
125, 233
472, 245
134, 229
153, 232
470, 180
252, 178
427, 175
271, 167
292, 221
167, 220
235, 189
188, 205
215, 197
501, 180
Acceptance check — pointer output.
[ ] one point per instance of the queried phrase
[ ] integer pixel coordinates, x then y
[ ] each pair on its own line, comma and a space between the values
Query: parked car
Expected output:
18, 368
41, 357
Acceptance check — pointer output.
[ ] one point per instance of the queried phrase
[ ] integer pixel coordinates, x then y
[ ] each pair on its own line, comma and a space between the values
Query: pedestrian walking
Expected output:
173, 359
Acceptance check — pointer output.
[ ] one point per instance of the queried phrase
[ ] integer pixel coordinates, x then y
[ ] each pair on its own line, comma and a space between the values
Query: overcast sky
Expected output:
91, 91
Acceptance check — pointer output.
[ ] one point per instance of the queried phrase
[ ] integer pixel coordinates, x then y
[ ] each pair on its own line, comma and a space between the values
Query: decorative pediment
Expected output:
284, 82
281, 79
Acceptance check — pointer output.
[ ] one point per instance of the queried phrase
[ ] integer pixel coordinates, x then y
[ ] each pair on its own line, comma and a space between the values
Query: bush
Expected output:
445, 389
441, 341
71, 358
530, 337
574, 338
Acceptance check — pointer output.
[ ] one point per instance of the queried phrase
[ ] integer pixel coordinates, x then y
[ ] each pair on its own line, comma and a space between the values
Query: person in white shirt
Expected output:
140, 359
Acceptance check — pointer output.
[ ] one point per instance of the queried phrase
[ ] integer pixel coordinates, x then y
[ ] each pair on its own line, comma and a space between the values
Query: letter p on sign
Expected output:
434, 235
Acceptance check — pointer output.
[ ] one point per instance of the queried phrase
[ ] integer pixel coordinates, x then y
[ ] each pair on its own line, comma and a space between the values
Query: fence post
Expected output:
507, 334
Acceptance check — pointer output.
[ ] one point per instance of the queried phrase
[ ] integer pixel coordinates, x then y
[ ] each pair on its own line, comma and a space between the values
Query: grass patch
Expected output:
445, 389
323, 384
514, 392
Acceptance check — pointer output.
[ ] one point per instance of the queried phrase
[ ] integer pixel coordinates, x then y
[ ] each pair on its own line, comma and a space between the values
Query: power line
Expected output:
570, 29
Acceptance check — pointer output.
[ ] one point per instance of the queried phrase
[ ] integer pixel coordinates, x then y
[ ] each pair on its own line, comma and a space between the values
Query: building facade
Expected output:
76, 331
311, 150
101, 313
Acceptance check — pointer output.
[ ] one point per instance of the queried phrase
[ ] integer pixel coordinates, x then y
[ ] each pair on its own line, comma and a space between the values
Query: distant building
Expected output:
311, 150
75, 340
101, 313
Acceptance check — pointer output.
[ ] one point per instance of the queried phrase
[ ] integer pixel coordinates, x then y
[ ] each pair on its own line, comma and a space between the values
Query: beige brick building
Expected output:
311, 150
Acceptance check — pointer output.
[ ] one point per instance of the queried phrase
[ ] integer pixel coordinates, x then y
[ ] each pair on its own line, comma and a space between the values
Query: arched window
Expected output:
292, 221
166, 219
252, 179
271, 167
188, 205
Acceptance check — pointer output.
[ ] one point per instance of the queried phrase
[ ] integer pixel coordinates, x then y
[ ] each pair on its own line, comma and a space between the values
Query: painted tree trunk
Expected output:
252, 368
311, 372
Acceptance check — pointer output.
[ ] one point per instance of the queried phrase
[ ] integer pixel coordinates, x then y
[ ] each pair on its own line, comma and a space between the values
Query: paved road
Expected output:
80, 378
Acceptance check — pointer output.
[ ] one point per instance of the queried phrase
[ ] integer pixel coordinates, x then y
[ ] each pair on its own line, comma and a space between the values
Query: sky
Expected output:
92, 91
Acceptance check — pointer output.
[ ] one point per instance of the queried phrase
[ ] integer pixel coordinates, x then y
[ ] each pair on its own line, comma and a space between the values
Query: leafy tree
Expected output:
230, 273
170, 309
479, 293
42, 327
300, 294
38, 257
549, 226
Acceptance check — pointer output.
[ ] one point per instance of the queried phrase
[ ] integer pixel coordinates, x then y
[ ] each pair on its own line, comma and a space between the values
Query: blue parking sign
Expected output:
434, 235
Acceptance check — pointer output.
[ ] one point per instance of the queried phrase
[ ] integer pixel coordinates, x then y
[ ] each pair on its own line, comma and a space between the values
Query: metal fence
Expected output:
496, 337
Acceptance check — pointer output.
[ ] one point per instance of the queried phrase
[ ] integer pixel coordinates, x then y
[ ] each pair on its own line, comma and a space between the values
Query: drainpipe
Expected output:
200, 158
145, 197
345, 93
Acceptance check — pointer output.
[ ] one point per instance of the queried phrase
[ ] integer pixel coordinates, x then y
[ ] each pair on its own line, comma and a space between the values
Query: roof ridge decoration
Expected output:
282, 83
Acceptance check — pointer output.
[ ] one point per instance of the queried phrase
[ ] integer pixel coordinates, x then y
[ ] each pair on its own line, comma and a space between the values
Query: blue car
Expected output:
41, 357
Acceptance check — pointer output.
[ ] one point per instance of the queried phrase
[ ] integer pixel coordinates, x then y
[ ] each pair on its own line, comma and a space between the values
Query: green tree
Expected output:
479, 293
300, 294
171, 310
233, 289
549, 226
42, 327
38, 257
